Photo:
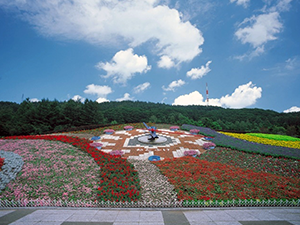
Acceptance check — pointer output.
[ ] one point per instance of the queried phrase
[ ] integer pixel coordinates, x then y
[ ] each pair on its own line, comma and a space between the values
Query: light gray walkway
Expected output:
203, 216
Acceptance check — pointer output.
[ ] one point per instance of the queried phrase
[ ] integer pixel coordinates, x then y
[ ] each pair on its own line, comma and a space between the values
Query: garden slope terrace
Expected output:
118, 179
251, 147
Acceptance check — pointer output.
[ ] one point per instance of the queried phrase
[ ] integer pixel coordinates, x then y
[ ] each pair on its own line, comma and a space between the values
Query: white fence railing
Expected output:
140, 204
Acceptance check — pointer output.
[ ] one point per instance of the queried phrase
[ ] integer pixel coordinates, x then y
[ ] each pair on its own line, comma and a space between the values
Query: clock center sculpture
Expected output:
152, 138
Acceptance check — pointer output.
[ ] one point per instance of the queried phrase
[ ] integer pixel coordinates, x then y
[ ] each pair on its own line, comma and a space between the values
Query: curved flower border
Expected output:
118, 179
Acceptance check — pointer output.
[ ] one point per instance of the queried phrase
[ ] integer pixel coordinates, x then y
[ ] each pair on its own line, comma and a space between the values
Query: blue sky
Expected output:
248, 52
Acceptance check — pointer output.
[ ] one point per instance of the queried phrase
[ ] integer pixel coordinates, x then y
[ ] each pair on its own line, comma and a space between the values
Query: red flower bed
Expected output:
1, 163
118, 179
196, 179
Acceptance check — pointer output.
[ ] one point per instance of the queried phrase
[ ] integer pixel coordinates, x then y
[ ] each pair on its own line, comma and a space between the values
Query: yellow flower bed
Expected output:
288, 144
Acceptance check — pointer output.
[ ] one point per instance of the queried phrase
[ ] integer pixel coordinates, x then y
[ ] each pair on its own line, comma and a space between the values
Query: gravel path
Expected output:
154, 186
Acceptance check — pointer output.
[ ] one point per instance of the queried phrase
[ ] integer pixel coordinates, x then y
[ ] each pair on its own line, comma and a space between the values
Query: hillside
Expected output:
48, 116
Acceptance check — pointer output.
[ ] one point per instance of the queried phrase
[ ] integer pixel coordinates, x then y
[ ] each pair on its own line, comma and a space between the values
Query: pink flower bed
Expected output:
113, 170
51, 170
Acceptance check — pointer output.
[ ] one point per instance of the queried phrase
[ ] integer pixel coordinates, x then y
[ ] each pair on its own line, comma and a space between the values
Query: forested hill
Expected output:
45, 116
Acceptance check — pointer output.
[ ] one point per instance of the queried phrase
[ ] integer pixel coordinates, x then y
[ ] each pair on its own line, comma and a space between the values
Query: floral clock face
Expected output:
177, 142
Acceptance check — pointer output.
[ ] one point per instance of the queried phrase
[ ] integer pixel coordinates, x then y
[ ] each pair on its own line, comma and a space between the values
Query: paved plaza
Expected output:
209, 216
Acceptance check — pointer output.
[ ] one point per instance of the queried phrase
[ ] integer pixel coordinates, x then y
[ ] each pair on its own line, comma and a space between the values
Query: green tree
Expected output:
72, 111
207, 122
216, 126
23, 119
291, 130
153, 119
183, 119
91, 113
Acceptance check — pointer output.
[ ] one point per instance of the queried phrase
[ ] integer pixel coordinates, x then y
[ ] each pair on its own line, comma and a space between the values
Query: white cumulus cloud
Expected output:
104, 22
126, 97
241, 2
194, 98
165, 62
281, 6
197, 73
141, 88
258, 30
292, 109
78, 98
100, 91
262, 29
124, 65
243, 96
34, 100
174, 84
100, 100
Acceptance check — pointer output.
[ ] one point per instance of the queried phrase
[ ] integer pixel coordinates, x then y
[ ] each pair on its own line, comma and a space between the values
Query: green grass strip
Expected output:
276, 137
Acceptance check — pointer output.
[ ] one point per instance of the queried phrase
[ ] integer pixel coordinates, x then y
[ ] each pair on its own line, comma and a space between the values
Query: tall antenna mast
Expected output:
207, 102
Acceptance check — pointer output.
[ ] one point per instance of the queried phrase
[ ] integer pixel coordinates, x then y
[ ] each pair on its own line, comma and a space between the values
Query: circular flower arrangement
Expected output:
128, 127
109, 131
154, 158
96, 145
209, 145
95, 138
194, 131
117, 152
174, 128
191, 153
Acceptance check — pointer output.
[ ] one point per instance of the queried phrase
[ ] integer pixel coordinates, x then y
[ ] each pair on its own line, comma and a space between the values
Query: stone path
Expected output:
211, 216
154, 186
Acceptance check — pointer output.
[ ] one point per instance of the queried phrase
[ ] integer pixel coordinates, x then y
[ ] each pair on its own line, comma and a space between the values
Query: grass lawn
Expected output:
275, 137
